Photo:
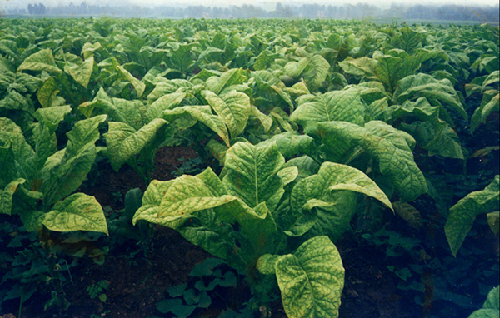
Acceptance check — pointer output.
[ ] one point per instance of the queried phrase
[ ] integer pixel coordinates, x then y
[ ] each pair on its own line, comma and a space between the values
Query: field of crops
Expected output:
248, 168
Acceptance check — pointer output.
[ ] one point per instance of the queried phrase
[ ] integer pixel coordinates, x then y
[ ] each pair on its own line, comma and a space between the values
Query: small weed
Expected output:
96, 290
28, 267
189, 166
185, 299
117, 197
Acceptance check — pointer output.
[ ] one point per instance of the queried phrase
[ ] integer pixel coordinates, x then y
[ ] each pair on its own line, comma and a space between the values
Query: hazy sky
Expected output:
23, 3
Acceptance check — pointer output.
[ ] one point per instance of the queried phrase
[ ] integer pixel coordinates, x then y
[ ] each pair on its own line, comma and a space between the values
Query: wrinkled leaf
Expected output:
138, 85
463, 214
6, 195
40, 61
490, 307
345, 105
234, 109
65, 170
311, 280
80, 71
78, 212
390, 147
124, 142
291, 143
198, 113
252, 173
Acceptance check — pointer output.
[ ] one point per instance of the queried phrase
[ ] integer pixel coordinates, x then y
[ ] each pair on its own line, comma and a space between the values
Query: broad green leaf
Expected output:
32, 220
6, 196
306, 166
52, 116
282, 119
298, 89
78, 212
494, 77
218, 150
436, 137
88, 49
257, 226
18, 158
47, 94
490, 307
409, 39
486, 63
227, 79
419, 109
291, 143
315, 73
430, 132
266, 264
45, 132
390, 147
66, 169
344, 177
168, 101
492, 300
211, 54
481, 114
438, 92
203, 76
15, 101
463, 214
377, 108
476, 86
138, 85
81, 71
187, 195
268, 90
234, 109
84, 132
124, 142
265, 120
62, 174
165, 87
182, 57
313, 70
40, 61
345, 105
176, 307
198, 113
370, 92
363, 66
9, 169
151, 201
294, 69
118, 109
493, 221
198, 206
252, 173
311, 280
335, 209
288, 174
393, 67
263, 61
8, 47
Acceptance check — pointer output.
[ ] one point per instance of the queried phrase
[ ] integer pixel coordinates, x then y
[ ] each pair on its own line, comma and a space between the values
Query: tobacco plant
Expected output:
38, 181
254, 215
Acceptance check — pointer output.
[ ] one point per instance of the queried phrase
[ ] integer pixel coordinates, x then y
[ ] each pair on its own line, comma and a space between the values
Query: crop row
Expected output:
312, 123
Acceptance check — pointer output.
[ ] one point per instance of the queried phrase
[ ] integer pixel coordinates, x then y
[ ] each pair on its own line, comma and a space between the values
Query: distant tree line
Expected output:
452, 12
345, 11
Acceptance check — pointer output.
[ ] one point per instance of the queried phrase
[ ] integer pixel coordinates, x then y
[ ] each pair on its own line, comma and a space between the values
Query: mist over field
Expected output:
446, 10
265, 3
